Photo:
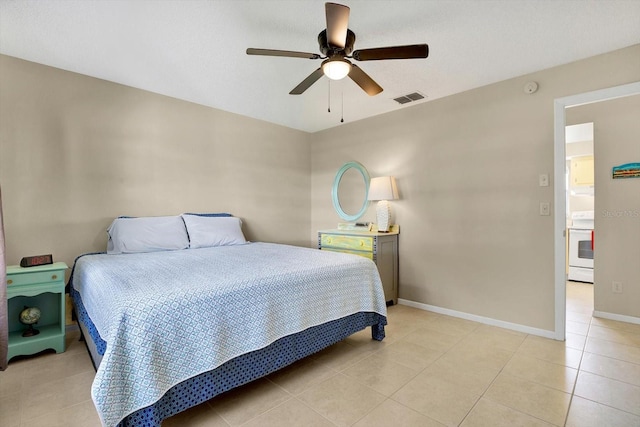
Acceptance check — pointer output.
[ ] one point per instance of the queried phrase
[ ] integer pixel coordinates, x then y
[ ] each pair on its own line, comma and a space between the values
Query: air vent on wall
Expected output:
404, 99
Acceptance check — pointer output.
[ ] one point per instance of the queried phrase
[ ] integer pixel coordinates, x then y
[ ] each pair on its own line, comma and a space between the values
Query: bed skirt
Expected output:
238, 371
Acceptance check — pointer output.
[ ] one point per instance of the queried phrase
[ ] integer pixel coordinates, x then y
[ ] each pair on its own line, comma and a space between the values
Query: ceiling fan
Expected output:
336, 44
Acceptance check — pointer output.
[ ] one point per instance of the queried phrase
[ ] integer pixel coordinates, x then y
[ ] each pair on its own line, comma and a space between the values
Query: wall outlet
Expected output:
616, 287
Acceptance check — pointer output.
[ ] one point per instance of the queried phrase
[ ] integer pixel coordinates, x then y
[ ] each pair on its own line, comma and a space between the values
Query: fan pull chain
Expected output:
329, 102
342, 107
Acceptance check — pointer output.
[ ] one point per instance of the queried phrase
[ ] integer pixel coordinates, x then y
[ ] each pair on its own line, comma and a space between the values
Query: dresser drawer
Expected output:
368, 254
35, 277
356, 243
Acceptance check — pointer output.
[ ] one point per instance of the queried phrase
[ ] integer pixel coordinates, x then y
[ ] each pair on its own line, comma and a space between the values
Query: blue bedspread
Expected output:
168, 316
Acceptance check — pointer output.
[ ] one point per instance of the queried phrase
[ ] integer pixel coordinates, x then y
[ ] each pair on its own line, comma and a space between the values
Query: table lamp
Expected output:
383, 189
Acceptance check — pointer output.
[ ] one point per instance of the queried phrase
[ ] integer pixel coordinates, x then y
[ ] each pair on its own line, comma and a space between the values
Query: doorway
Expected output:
580, 195
580, 213
560, 219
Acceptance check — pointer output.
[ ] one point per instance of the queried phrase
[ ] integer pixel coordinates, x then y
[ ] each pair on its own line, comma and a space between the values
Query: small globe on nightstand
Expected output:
30, 316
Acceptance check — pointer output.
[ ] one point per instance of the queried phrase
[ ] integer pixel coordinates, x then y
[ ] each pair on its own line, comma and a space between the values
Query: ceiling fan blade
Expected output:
287, 53
337, 23
363, 80
306, 83
394, 52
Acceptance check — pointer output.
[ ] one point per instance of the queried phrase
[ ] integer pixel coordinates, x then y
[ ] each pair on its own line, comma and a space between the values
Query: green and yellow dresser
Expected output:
381, 248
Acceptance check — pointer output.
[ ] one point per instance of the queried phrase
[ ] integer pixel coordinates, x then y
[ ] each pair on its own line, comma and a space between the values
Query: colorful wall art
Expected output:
628, 170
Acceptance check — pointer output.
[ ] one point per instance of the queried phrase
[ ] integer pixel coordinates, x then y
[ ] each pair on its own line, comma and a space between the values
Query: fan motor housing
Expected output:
328, 50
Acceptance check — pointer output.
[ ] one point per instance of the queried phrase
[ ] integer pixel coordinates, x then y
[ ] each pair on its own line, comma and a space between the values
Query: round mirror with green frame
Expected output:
350, 190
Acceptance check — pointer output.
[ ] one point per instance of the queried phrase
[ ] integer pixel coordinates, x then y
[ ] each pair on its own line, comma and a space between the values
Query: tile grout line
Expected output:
575, 384
600, 376
426, 367
418, 372
493, 381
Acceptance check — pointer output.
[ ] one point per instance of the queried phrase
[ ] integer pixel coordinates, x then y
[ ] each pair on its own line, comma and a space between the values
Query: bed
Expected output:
172, 324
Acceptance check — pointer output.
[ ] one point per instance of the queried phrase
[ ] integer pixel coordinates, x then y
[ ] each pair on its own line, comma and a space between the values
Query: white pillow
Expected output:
146, 234
208, 231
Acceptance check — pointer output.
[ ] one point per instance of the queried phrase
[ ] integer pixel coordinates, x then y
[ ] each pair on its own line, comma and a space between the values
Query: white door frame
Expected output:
560, 222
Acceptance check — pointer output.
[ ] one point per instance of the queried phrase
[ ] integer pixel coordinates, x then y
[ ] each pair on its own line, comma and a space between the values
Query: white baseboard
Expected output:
618, 317
480, 319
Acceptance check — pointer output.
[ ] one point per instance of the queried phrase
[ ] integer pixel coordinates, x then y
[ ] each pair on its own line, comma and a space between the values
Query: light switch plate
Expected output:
544, 209
543, 180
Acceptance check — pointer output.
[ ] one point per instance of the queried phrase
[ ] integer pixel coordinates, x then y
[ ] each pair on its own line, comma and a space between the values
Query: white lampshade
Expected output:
383, 189
336, 69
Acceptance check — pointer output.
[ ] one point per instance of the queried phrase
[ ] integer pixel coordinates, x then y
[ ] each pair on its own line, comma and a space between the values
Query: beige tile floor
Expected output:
431, 370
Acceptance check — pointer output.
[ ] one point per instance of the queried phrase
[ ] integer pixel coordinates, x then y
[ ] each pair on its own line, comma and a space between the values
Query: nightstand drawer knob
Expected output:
9, 282
54, 277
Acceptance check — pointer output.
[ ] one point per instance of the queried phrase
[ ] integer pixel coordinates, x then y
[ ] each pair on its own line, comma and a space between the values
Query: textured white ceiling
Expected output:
195, 49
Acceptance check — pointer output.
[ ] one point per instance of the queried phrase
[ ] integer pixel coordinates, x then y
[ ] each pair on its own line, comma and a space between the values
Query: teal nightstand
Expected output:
42, 287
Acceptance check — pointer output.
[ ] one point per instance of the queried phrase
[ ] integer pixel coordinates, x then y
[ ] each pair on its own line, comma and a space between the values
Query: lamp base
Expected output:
383, 214
30, 332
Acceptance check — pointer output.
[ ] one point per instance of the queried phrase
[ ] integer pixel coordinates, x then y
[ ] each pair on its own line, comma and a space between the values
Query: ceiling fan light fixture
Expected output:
336, 44
336, 69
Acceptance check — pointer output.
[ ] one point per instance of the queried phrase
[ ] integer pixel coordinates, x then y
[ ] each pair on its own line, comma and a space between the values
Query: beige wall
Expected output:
76, 151
617, 202
467, 166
